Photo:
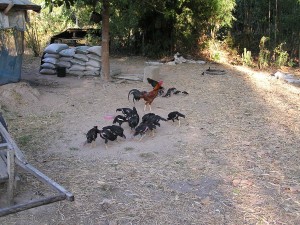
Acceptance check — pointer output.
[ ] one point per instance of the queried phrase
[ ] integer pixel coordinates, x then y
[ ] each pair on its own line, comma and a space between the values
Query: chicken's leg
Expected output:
146, 107
142, 137
106, 144
153, 133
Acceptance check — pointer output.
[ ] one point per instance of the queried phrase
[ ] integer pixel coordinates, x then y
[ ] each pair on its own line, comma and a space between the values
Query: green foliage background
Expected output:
162, 27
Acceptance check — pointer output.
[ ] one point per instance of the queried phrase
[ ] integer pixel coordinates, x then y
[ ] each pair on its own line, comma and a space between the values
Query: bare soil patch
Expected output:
234, 159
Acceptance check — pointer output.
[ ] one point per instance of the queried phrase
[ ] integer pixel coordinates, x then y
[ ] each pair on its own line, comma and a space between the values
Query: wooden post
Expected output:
11, 174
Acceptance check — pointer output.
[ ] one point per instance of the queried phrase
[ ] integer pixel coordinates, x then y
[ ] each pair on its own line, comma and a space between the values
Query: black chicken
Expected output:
147, 116
142, 128
176, 92
152, 119
117, 130
214, 71
125, 111
169, 92
184, 92
175, 115
120, 119
91, 135
133, 118
106, 134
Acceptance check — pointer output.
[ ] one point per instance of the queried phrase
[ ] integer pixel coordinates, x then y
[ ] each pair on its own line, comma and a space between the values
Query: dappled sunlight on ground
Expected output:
234, 159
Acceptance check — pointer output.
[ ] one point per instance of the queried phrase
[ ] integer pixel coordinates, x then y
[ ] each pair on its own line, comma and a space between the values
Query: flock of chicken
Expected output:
149, 121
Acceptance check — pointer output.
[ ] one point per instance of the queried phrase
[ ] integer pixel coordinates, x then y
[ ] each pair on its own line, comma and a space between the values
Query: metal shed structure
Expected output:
13, 18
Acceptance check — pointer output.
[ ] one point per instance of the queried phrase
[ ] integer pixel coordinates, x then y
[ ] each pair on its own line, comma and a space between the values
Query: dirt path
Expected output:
233, 160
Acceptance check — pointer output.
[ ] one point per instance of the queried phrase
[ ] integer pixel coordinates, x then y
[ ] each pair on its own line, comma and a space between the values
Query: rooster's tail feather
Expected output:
136, 95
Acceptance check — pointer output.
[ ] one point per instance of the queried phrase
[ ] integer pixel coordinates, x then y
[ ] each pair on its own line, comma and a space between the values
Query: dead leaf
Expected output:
205, 201
243, 183
236, 182
246, 183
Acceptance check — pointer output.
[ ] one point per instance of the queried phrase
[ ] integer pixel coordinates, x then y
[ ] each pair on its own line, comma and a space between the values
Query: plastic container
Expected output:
61, 71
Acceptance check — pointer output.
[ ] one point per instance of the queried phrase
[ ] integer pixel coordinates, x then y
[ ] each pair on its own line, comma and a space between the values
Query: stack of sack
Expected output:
51, 57
65, 58
81, 61
93, 65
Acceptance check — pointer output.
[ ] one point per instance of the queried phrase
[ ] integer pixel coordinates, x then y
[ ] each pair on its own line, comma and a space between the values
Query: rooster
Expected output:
147, 96
153, 83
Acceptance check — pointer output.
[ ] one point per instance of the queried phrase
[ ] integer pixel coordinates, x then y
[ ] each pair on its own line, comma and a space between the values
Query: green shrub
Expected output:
264, 53
247, 58
281, 56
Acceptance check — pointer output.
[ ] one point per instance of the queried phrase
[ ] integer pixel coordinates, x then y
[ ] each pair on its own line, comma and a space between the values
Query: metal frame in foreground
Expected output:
19, 159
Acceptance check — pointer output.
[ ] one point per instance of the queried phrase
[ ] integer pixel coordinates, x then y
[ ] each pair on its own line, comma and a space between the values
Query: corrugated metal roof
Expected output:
20, 5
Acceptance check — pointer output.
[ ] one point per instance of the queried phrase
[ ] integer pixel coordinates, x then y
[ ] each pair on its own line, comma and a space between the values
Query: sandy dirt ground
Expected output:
233, 160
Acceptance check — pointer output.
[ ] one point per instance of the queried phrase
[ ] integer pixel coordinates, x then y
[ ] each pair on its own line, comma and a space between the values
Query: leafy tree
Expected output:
276, 19
153, 27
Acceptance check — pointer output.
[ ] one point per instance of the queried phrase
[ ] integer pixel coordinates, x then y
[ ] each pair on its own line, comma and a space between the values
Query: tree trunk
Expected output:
269, 19
276, 18
105, 41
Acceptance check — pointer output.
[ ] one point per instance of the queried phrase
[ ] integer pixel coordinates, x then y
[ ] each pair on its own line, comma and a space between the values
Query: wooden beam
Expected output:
46, 180
3, 170
36, 8
4, 145
31, 204
10, 5
9, 140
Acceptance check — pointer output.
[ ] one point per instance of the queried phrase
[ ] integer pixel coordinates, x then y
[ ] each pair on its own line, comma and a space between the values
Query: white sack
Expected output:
95, 49
55, 48
70, 52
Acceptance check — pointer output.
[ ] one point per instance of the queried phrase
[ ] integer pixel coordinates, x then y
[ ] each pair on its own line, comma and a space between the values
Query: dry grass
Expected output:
233, 160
